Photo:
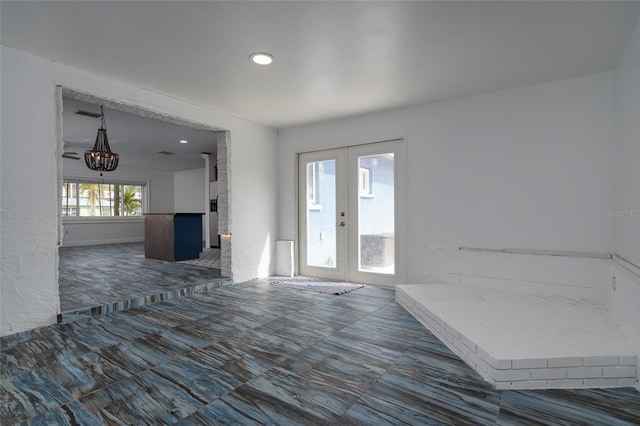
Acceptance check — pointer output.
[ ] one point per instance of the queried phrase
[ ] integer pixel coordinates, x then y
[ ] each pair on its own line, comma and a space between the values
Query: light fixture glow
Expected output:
261, 58
183, 141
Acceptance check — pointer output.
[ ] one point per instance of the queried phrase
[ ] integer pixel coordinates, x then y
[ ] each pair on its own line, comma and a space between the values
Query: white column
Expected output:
205, 218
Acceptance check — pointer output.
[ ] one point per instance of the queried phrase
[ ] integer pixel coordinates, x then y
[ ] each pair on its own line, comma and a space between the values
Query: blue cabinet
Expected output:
173, 236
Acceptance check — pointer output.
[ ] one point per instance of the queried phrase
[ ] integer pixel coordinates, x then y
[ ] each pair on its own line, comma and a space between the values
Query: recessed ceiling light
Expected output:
261, 58
183, 141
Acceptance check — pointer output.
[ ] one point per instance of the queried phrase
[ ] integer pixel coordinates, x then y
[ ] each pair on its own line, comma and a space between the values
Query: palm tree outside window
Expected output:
101, 199
131, 201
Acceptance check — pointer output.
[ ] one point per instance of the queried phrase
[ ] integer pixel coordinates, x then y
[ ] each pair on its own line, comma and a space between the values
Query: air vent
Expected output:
166, 152
87, 113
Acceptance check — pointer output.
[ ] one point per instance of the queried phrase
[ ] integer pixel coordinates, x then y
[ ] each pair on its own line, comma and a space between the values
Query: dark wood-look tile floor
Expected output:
253, 353
95, 280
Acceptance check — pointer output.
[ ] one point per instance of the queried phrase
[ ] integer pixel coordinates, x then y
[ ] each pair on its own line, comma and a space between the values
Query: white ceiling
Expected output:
332, 59
136, 139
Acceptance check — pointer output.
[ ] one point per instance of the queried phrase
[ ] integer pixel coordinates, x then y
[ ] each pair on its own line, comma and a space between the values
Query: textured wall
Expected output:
28, 175
226, 252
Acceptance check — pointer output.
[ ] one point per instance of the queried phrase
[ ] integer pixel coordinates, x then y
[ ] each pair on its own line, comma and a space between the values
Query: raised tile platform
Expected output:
517, 341
99, 280
137, 301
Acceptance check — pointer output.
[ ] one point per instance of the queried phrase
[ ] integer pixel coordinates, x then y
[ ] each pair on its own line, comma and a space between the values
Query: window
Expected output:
87, 198
312, 183
315, 177
364, 182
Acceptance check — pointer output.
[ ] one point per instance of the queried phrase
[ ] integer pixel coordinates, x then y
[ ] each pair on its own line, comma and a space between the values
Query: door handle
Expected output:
340, 224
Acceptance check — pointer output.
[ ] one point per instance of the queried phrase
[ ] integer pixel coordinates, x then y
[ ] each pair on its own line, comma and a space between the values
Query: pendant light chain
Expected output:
103, 120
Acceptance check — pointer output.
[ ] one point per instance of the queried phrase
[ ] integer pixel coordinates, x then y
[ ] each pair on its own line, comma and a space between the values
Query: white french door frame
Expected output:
348, 241
340, 271
354, 273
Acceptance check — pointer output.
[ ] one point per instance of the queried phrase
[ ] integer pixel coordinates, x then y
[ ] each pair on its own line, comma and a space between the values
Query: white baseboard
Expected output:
101, 242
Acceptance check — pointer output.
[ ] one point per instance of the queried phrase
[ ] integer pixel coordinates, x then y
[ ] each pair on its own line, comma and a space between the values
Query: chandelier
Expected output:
101, 158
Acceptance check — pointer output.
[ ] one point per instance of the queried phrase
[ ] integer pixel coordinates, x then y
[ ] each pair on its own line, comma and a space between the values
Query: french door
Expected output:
351, 213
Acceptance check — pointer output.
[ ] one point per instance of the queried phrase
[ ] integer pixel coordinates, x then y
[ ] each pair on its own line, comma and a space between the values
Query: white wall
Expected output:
28, 177
528, 168
571, 275
627, 148
624, 301
253, 205
87, 231
190, 192
90, 231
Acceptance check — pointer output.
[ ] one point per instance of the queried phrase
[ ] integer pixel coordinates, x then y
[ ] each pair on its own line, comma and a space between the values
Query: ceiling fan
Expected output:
72, 155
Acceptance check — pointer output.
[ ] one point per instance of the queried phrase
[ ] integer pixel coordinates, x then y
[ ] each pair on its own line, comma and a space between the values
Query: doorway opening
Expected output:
141, 180
351, 213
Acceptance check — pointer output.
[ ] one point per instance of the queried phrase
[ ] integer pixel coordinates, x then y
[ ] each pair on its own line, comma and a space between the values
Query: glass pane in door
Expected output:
376, 213
321, 214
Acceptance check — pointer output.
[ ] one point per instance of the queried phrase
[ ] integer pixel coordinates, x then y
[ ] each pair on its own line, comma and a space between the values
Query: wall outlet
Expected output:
613, 282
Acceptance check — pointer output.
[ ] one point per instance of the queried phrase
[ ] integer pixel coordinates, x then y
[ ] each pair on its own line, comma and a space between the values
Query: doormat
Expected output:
318, 285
